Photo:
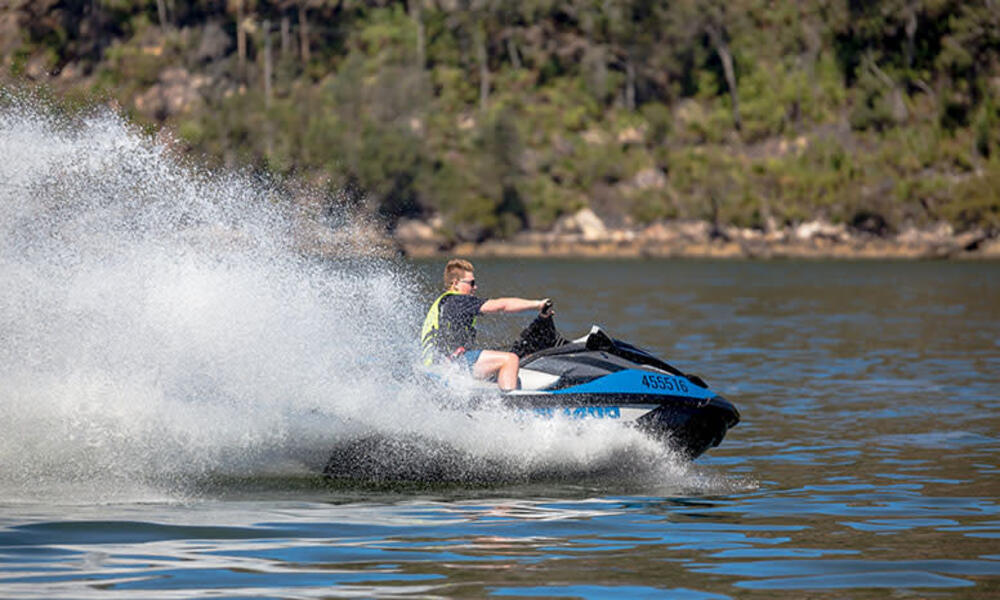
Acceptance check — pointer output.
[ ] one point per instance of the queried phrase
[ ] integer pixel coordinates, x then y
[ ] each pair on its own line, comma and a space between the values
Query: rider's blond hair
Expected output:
455, 269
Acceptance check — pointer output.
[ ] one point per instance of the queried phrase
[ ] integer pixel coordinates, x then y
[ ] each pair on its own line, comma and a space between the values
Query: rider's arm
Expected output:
494, 305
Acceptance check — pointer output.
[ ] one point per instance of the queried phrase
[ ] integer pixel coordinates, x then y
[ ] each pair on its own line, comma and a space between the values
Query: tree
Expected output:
414, 10
713, 19
969, 52
239, 7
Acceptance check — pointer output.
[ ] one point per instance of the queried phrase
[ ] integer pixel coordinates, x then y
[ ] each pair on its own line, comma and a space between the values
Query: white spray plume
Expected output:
158, 325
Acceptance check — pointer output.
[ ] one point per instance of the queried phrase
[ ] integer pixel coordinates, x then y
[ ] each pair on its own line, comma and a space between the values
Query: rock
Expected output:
591, 226
584, 223
657, 232
938, 235
631, 135
622, 236
181, 90
414, 231
10, 33
971, 240
820, 229
646, 179
989, 248
743, 234
177, 92
698, 231
37, 67
663, 232
777, 235
71, 72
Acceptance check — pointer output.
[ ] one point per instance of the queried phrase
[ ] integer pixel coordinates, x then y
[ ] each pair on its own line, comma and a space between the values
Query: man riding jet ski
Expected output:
449, 331
593, 378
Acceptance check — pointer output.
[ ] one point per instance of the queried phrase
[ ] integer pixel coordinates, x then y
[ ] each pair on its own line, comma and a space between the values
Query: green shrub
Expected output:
646, 206
546, 201
975, 200
767, 94
660, 121
987, 128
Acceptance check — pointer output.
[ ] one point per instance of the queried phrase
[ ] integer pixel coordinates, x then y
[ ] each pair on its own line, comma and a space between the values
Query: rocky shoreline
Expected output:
585, 235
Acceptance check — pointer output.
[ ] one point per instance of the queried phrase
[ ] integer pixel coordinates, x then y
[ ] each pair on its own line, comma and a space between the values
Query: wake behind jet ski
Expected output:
597, 377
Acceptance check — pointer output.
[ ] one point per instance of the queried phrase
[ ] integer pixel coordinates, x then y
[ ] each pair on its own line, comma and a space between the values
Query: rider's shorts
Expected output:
470, 357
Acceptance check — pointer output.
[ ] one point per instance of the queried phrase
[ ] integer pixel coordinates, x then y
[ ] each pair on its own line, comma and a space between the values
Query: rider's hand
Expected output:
546, 309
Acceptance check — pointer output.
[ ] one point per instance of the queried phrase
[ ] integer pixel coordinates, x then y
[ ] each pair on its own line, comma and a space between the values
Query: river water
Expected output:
172, 376
867, 461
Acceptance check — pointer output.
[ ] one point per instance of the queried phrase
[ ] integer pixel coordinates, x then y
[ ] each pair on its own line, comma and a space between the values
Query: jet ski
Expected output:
597, 377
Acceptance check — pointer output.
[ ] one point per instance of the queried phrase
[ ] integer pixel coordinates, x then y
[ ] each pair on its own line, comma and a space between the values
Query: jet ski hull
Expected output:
599, 377
689, 425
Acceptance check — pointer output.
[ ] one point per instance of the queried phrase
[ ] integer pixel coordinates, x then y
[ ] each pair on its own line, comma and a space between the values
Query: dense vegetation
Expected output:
499, 115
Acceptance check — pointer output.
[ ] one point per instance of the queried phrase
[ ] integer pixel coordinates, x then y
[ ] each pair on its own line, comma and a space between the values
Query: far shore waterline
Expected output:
710, 251
732, 244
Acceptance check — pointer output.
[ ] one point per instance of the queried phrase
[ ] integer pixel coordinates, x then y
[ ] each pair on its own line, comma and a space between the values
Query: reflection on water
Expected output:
866, 464
863, 537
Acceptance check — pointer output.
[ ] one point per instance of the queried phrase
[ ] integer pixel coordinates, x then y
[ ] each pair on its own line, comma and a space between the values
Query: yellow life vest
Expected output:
431, 329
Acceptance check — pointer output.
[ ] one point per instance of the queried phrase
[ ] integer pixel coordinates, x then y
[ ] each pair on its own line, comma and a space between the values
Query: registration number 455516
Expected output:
662, 382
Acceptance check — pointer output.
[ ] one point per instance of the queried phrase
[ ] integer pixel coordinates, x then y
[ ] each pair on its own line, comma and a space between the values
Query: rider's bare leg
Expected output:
502, 364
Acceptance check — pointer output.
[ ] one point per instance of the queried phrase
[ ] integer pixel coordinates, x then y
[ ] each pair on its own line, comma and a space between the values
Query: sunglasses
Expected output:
471, 282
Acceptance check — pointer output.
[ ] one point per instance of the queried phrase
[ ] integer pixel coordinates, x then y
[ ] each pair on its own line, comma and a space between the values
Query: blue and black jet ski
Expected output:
595, 378
599, 377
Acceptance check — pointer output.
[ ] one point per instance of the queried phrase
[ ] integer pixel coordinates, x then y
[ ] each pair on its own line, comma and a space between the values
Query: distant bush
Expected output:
974, 200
